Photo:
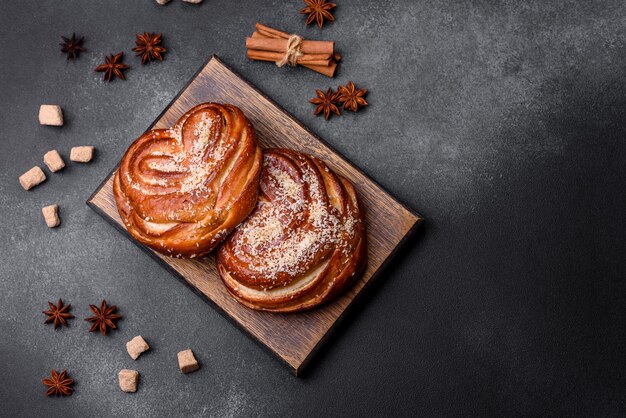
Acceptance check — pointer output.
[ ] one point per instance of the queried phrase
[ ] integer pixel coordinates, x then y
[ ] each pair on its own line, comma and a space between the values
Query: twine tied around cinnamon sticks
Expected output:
268, 44
293, 51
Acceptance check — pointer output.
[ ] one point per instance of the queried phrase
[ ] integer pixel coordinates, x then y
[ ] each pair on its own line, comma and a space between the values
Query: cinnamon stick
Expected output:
275, 33
270, 32
304, 58
261, 55
265, 43
328, 71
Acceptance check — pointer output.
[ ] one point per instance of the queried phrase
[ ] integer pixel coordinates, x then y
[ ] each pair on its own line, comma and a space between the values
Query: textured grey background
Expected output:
501, 122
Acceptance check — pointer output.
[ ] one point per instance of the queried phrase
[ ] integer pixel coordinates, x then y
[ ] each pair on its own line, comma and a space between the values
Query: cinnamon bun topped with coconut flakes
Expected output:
303, 244
182, 190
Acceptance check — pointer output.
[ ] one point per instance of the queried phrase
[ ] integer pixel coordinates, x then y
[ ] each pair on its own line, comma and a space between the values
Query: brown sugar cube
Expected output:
51, 115
51, 215
128, 380
81, 154
32, 177
136, 346
53, 160
187, 362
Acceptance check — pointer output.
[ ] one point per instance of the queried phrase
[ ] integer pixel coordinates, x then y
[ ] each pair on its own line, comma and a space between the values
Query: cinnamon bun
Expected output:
182, 190
303, 244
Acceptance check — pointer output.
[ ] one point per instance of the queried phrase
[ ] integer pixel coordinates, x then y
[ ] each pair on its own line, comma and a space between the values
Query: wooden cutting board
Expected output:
293, 338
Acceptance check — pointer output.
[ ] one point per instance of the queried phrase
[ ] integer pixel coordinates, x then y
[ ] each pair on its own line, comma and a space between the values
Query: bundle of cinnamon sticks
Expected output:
267, 44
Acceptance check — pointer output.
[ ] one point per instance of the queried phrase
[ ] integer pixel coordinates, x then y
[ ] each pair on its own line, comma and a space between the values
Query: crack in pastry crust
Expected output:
181, 191
303, 244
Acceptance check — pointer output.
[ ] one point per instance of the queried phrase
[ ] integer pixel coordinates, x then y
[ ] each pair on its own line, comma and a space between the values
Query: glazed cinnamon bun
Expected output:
182, 190
303, 244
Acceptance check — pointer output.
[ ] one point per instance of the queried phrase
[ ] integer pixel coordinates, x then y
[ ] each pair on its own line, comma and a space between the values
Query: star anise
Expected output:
318, 10
58, 314
149, 47
72, 46
326, 102
103, 318
351, 97
113, 67
59, 384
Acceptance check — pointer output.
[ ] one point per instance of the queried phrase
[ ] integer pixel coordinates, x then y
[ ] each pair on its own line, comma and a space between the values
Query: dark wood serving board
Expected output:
292, 337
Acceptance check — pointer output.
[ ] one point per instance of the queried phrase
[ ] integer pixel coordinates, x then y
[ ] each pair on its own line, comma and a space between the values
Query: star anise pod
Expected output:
149, 47
59, 384
318, 10
103, 318
326, 102
58, 314
72, 46
113, 67
351, 97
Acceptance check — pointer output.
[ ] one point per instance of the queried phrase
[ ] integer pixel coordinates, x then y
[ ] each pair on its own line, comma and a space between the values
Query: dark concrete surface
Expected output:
502, 122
